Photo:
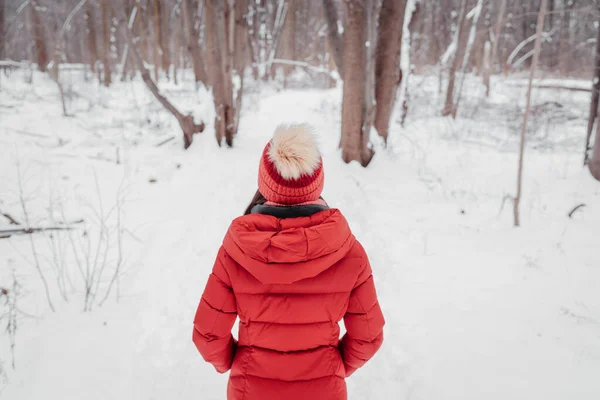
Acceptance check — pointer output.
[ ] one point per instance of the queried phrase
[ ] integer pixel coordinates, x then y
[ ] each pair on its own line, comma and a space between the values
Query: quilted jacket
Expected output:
290, 281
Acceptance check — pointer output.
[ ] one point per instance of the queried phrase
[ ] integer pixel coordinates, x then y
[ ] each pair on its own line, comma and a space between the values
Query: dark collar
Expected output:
289, 212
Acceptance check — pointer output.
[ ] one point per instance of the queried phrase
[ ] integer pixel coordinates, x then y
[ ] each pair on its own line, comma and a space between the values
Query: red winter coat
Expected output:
290, 281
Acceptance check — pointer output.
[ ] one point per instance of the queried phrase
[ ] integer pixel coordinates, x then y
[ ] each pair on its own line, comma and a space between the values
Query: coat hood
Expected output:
283, 251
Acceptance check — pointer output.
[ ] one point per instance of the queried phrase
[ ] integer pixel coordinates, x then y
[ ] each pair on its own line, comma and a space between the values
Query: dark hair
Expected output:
256, 200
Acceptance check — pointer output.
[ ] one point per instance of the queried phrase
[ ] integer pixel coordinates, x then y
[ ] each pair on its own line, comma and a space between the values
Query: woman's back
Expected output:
291, 274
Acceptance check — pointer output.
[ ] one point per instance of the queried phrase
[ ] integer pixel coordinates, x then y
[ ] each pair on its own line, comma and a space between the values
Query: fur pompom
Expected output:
294, 151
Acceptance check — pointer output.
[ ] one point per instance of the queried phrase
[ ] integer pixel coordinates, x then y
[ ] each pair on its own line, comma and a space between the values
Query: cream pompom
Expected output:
294, 151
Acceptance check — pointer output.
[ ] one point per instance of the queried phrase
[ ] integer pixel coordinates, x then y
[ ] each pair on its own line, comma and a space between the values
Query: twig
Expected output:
31, 242
29, 231
165, 141
578, 207
10, 219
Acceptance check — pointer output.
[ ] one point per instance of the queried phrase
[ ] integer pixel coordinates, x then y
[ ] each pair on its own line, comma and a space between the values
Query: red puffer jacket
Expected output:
290, 281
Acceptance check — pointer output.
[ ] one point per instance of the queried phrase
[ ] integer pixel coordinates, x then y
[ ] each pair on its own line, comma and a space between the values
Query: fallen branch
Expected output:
6, 233
578, 207
165, 141
186, 122
10, 219
557, 87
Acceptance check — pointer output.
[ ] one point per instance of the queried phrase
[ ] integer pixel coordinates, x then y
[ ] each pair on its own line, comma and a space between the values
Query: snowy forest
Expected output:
459, 137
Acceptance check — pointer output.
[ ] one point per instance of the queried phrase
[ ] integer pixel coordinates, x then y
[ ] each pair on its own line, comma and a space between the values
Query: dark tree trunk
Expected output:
388, 73
165, 39
106, 27
39, 37
156, 25
91, 35
456, 61
2, 44
355, 110
191, 35
497, 32
594, 103
220, 69
336, 39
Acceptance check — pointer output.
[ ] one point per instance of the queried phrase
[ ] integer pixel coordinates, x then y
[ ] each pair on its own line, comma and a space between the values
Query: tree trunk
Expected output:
336, 38
165, 38
497, 32
39, 37
290, 37
186, 122
534, 64
106, 30
449, 105
2, 44
594, 162
156, 25
486, 67
388, 72
191, 36
595, 98
355, 107
91, 35
220, 69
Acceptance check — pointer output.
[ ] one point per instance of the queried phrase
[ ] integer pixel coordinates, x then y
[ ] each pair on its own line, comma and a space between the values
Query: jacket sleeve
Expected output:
364, 324
215, 317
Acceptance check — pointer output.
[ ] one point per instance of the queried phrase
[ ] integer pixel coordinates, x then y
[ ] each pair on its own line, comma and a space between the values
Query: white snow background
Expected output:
475, 308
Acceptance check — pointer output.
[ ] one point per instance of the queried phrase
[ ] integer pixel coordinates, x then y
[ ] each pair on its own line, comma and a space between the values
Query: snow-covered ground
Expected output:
475, 308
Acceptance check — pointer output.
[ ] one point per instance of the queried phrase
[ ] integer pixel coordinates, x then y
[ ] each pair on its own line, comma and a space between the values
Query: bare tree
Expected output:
289, 34
156, 26
486, 67
192, 37
388, 72
594, 162
2, 40
106, 31
336, 38
37, 32
595, 97
220, 69
359, 77
534, 64
164, 39
497, 31
457, 43
92, 49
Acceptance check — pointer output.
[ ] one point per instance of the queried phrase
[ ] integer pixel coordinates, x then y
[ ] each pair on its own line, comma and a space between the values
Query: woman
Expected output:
291, 269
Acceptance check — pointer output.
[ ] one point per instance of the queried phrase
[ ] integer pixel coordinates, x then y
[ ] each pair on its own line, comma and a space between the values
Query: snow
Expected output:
475, 308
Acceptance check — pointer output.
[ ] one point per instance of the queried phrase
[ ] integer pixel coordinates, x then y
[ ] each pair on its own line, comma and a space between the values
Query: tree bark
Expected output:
355, 113
2, 44
534, 64
388, 72
191, 36
595, 97
165, 39
487, 66
449, 105
497, 32
290, 37
186, 122
336, 38
220, 70
156, 25
91, 35
37, 29
594, 162
106, 26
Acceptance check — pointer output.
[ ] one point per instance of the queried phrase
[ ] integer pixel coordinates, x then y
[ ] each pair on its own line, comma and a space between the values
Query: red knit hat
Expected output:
291, 167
